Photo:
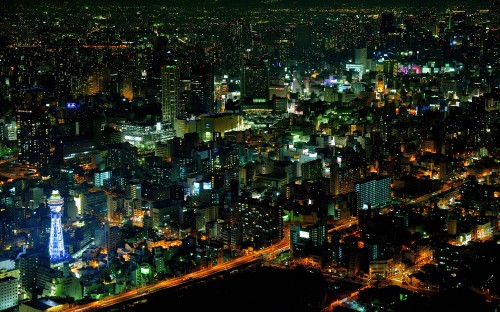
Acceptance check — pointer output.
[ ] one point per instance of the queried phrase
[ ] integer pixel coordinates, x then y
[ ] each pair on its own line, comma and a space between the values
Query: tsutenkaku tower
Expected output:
56, 246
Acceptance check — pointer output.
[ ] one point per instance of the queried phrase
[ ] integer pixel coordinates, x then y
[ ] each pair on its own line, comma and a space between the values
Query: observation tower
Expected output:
56, 246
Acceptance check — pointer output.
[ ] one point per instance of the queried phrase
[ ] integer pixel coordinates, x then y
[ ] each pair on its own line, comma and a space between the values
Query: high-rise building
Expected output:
312, 170
133, 190
170, 79
342, 179
364, 216
98, 80
457, 20
303, 36
122, 156
35, 196
8, 268
46, 273
202, 90
56, 245
361, 57
9, 281
380, 83
375, 192
29, 263
255, 81
386, 28
260, 222
33, 135
163, 54
101, 178
8, 293
302, 236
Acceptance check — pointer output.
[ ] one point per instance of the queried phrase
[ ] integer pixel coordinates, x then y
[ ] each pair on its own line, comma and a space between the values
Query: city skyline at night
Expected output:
263, 155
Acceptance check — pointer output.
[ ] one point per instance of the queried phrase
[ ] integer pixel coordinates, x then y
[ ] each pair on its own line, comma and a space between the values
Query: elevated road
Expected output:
140, 293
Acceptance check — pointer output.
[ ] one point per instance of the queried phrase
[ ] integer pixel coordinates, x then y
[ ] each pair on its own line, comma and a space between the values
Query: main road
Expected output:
140, 293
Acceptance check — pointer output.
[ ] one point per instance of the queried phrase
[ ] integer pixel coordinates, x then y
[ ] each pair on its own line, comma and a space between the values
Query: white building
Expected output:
8, 293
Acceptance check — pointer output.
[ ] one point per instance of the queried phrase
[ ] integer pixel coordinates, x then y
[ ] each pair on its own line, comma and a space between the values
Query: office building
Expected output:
255, 81
342, 179
202, 90
8, 293
260, 222
33, 135
29, 263
380, 83
361, 57
170, 79
101, 178
375, 192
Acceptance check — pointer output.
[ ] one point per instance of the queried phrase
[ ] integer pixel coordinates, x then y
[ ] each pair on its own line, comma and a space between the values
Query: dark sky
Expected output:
262, 3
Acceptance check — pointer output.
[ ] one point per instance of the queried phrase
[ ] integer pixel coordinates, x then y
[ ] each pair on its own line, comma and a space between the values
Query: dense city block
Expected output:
260, 156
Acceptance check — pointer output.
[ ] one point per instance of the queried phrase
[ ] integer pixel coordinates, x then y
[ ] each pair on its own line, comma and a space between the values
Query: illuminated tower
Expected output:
56, 246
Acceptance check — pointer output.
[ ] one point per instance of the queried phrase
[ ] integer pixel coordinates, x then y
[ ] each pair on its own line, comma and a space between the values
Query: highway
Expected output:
140, 293
446, 188
344, 224
266, 253
352, 221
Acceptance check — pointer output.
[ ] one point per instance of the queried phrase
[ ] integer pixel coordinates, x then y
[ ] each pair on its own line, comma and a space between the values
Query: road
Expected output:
7, 174
423, 198
344, 301
344, 224
15, 172
140, 293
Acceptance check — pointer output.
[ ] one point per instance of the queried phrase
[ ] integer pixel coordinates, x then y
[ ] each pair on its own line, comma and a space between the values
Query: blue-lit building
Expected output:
100, 178
375, 192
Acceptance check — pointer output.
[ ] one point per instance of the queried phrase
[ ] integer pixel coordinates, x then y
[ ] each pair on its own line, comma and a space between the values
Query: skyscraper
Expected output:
361, 57
170, 79
255, 81
386, 28
343, 179
375, 192
202, 89
33, 135
56, 245
302, 42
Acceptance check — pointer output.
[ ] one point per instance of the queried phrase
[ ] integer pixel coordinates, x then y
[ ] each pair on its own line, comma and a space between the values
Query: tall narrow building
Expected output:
361, 58
202, 89
386, 28
56, 244
170, 79
380, 83
33, 135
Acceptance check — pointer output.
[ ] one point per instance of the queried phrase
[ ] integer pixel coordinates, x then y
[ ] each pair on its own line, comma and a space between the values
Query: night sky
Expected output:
265, 3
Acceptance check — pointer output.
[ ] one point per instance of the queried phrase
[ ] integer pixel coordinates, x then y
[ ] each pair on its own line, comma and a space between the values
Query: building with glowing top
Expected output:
56, 245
